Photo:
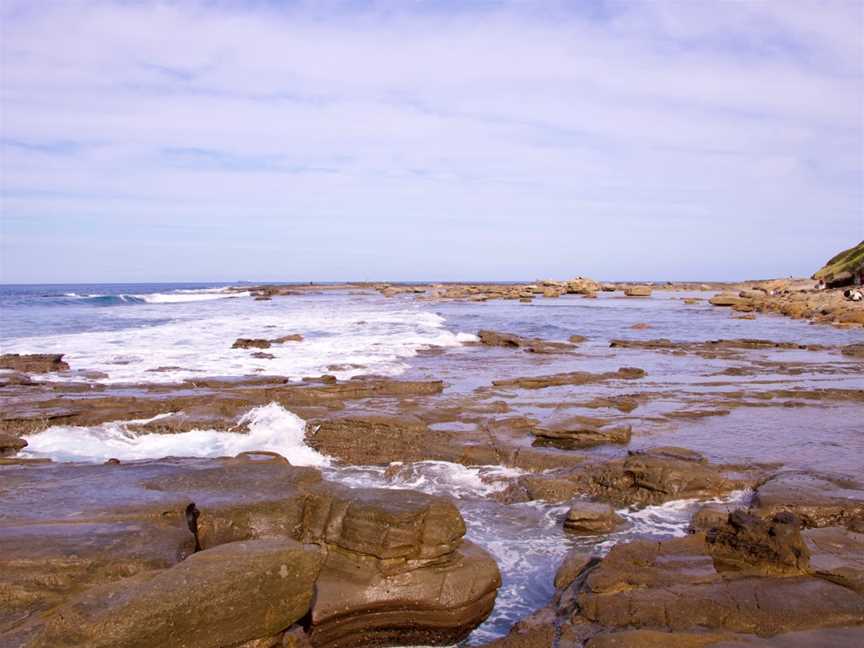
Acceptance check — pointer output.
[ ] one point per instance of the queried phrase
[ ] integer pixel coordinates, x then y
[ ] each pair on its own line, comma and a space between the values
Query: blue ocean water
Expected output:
48, 309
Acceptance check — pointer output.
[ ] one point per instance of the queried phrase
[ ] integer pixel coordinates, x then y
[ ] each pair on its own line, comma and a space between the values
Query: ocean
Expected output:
123, 335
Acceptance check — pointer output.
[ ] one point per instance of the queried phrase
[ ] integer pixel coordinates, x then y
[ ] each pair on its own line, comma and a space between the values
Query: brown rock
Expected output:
572, 566
250, 343
577, 432
853, 350
33, 363
837, 555
223, 596
673, 586
532, 345
818, 500
750, 544
591, 518
10, 445
294, 337
572, 378
638, 291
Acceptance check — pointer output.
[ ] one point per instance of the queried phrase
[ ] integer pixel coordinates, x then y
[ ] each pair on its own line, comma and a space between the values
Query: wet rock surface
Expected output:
276, 543
536, 431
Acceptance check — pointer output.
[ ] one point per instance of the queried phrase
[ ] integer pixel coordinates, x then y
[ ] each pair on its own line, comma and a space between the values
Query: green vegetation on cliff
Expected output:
841, 268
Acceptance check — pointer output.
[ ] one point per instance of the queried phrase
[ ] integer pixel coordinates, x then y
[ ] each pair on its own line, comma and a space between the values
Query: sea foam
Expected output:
270, 428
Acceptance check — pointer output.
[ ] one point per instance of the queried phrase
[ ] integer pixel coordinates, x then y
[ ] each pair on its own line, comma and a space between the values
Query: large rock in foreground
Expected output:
224, 596
207, 554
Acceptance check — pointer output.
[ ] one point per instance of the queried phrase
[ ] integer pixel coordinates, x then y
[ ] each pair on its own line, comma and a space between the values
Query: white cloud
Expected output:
584, 143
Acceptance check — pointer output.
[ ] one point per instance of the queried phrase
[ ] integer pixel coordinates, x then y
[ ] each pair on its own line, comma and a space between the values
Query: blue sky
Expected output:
429, 140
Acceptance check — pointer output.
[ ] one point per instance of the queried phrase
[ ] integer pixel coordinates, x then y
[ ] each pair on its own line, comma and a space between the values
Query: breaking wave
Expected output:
270, 428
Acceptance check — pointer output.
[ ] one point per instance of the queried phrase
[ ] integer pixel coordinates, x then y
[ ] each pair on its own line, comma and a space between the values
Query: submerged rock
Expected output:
532, 345
571, 378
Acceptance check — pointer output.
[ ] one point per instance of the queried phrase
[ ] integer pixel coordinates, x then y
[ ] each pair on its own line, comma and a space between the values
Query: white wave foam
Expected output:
180, 297
344, 336
271, 428
431, 477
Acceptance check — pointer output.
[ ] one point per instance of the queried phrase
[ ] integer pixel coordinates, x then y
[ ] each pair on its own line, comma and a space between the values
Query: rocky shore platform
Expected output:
758, 440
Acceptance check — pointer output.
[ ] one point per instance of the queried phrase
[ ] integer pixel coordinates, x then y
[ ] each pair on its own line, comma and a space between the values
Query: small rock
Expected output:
591, 518
638, 291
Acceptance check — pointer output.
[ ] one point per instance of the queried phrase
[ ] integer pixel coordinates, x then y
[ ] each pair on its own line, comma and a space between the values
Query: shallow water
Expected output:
364, 333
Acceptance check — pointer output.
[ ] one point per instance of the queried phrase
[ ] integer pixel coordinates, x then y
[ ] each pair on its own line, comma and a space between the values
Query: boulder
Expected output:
748, 543
230, 594
638, 291
591, 518
582, 286
356, 604
33, 363
726, 299
139, 560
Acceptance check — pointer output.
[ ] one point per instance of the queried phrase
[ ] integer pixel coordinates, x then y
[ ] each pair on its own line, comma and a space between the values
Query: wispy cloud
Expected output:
494, 139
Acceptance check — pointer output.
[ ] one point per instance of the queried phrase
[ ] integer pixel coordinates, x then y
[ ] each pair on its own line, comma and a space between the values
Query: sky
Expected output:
265, 140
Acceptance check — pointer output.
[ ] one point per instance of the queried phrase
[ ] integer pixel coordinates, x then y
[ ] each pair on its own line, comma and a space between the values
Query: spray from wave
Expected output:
270, 427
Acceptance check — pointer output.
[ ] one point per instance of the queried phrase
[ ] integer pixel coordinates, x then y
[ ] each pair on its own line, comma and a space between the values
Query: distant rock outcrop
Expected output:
843, 269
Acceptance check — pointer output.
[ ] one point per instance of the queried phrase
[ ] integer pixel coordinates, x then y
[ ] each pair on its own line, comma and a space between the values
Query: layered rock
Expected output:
591, 518
224, 596
570, 378
141, 565
580, 432
819, 500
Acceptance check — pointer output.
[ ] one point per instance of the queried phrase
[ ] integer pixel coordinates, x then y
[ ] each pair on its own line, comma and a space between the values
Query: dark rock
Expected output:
250, 343
532, 345
750, 544
10, 445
